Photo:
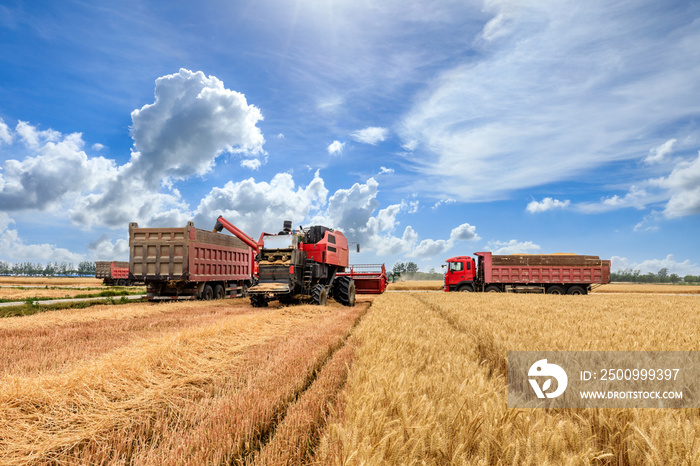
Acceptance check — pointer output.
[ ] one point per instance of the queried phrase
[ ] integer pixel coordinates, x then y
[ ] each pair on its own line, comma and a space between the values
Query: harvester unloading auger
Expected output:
298, 266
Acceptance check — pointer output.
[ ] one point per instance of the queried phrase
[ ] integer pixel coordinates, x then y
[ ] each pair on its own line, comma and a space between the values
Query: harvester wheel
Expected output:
219, 292
208, 293
344, 291
258, 300
319, 295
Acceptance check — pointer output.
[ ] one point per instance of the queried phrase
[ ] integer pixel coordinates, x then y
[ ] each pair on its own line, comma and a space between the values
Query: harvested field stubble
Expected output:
36, 294
428, 384
206, 395
51, 281
647, 288
418, 285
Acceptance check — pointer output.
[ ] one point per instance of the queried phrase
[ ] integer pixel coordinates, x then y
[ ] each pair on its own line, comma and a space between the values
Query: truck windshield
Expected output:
456, 266
278, 241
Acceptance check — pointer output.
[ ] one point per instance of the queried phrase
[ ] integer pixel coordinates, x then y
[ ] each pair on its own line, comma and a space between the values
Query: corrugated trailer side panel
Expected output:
187, 254
537, 268
102, 269
501, 274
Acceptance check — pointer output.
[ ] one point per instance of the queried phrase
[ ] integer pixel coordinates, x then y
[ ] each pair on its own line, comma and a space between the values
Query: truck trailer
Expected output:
526, 273
189, 263
114, 273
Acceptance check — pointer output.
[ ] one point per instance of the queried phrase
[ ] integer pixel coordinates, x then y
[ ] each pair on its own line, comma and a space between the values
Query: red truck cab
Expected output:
461, 271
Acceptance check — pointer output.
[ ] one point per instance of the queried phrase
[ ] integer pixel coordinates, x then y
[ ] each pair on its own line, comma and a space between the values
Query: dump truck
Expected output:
189, 263
526, 273
368, 278
114, 273
298, 265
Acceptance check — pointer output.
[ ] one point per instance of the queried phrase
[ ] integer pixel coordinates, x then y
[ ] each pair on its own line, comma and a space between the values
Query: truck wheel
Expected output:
208, 293
319, 295
555, 289
258, 300
492, 289
465, 289
219, 292
121, 282
344, 291
576, 290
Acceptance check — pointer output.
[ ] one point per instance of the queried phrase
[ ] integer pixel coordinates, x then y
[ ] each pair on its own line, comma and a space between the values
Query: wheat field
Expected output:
177, 383
418, 378
52, 281
436, 285
429, 382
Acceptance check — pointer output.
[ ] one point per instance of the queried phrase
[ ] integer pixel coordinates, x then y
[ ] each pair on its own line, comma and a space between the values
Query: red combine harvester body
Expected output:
527, 273
368, 278
300, 265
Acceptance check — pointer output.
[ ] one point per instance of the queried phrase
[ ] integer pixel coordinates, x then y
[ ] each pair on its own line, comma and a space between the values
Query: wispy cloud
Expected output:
556, 90
512, 247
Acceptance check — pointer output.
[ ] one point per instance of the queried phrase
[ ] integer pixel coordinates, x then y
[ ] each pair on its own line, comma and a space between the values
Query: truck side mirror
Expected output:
358, 247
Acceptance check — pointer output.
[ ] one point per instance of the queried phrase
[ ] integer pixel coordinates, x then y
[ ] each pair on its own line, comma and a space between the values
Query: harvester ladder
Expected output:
308, 276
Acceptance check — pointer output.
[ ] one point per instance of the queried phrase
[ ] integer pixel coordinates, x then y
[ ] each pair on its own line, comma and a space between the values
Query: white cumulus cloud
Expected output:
335, 148
547, 204
14, 249
193, 120
372, 135
261, 206
5, 134
659, 153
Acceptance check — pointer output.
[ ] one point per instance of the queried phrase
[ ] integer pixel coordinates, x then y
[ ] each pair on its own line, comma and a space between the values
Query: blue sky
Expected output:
423, 130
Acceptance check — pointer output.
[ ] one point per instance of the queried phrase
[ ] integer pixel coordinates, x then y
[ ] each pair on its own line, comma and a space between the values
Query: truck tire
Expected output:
319, 295
258, 300
207, 293
555, 289
219, 292
121, 282
576, 290
465, 289
492, 289
344, 291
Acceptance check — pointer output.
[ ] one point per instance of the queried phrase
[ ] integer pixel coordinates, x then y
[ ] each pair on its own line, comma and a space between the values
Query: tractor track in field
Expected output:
267, 436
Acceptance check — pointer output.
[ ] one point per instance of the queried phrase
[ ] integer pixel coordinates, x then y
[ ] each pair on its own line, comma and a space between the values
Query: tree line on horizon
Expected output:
662, 276
50, 269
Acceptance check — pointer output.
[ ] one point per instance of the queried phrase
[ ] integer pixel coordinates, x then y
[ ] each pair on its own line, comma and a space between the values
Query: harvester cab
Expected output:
301, 266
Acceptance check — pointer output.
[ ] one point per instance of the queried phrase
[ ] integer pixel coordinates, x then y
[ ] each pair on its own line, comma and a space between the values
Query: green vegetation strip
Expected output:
103, 294
29, 307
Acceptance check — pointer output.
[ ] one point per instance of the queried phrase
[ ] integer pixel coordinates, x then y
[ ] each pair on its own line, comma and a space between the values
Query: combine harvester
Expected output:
298, 265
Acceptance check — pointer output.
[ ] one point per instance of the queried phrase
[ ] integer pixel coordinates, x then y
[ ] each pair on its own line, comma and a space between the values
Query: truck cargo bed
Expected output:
177, 261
